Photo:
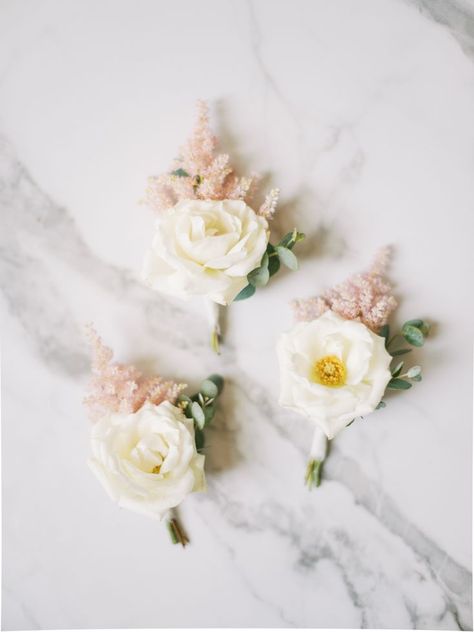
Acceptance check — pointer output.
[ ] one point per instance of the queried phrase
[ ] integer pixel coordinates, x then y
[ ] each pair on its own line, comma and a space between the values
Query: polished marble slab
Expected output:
362, 114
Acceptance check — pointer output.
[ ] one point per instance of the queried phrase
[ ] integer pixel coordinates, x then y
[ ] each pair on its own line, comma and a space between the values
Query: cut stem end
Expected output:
176, 533
313, 474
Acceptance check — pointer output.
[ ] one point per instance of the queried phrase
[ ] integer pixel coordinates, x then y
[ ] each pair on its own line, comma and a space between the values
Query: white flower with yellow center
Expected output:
332, 370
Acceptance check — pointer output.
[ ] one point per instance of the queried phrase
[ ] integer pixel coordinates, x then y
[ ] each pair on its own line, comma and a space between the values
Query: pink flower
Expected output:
122, 388
365, 297
199, 174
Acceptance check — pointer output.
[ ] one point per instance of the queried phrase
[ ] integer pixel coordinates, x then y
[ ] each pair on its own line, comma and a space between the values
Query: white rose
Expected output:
332, 370
147, 461
206, 248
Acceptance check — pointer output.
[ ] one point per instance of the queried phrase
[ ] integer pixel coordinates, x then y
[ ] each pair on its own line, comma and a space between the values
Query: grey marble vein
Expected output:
30, 218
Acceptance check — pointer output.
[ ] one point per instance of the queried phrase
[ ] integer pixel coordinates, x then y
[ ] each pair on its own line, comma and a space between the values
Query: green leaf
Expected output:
287, 257
413, 335
198, 415
247, 292
290, 239
209, 389
397, 384
416, 322
218, 380
417, 378
199, 439
384, 332
397, 370
415, 371
260, 276
181, 173
381, 404
284, 241
399, 352
209, 412
420, 324
273, 260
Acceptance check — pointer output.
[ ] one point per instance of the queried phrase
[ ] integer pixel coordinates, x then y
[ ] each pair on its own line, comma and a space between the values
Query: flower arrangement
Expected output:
338, 361
209, 241
147, 436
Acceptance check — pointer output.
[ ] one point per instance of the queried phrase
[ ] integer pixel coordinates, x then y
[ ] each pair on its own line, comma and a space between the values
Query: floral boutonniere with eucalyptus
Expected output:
338, 361
209, 240
147, 437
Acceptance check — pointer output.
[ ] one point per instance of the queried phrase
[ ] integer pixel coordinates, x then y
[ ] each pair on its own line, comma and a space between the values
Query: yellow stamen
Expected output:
329, 371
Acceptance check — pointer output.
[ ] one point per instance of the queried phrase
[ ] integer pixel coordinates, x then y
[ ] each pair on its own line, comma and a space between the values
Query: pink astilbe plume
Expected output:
199, 174
121, 388
366, 297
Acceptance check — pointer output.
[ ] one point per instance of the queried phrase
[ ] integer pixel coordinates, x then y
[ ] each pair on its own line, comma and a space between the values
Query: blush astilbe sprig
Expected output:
365, 297
201, 174
121, 388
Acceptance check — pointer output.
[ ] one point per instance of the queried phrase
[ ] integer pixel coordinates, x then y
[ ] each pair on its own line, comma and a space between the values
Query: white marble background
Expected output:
362, 112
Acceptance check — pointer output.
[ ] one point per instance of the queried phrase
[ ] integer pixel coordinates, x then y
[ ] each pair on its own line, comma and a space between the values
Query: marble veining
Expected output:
385, 542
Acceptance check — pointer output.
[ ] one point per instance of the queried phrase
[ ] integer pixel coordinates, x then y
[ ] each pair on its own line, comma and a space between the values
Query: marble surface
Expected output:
362, 113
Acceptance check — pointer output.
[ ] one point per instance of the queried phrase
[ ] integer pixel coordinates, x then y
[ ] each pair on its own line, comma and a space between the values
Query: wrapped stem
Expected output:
317, 456
175, 530
213, 318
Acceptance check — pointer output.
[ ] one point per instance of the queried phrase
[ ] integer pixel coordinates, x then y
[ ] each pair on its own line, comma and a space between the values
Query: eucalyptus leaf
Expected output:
291, 238
415, 371
218, 381
287, 257
423, 326
199, 439
247, 292
209, 389
384, 332
181, 173
209, 412
381, 404
198, 415
399, 385
284, 241
260, 276
416, 322
417, 378
413, 335
399, 352
397, 370
273, 260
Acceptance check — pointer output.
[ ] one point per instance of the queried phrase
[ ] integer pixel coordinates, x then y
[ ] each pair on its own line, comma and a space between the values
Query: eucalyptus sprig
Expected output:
275, 255
414, 332
201, 407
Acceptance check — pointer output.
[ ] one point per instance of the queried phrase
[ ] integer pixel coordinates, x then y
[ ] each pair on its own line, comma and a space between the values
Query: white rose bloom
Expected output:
147, 461
332, 370
206, 248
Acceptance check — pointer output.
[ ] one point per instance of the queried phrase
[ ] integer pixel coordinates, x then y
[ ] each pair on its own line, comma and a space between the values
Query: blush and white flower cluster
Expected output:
210, 240
147, 461
146, 436
335, 364
205, 248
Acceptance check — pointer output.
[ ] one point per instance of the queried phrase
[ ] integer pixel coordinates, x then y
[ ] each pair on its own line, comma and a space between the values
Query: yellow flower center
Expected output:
329, 371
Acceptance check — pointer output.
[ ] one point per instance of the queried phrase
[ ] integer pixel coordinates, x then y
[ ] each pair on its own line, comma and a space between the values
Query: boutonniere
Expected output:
147, 436
338, 361
210, 239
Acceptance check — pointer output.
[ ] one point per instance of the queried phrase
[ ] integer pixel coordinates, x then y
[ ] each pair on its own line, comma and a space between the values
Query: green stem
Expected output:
313, 474
176, 533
